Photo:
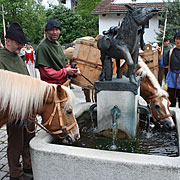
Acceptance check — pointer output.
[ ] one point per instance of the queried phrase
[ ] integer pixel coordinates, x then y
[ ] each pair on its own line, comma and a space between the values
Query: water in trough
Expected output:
152, 141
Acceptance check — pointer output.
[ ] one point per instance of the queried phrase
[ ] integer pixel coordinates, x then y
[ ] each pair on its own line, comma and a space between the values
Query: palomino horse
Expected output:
123, 42
21, 97
154, 95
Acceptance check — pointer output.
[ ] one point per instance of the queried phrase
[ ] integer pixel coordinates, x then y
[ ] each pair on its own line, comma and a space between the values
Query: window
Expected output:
63, 1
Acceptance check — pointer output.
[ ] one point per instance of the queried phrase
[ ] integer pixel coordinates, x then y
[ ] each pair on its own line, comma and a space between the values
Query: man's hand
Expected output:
73, 71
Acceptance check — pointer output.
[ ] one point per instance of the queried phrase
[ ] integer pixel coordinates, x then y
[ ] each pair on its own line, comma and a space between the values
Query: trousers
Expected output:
162, 72
18, 146
173, 94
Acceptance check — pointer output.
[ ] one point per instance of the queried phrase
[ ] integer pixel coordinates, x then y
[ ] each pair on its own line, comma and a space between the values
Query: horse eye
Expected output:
69, 111
157, 106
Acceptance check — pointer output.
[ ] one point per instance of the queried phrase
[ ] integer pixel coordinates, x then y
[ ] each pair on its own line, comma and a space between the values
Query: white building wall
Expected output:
68, 4
105, 22
150, 33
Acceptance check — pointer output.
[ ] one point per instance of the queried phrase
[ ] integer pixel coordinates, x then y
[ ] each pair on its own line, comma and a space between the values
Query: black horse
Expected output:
123, 42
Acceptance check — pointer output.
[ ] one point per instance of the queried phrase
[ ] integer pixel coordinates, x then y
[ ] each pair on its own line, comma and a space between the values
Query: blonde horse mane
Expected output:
23, 95
144, 71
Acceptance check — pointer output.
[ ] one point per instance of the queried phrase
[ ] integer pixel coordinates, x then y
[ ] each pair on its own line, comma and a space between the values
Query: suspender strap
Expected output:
170, 53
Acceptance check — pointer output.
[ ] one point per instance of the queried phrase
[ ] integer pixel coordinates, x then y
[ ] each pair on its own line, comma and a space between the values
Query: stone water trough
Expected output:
54, 162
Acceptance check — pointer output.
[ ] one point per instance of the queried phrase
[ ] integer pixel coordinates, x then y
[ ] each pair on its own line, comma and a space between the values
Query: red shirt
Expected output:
53, 76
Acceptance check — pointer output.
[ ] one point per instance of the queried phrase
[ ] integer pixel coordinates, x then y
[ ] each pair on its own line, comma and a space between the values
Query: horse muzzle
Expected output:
70, 139
167, 123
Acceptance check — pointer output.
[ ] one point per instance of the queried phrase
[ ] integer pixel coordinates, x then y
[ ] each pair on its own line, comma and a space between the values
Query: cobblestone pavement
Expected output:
4, 169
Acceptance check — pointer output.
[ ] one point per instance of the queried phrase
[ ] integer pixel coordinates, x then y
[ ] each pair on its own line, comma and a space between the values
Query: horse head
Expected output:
159, 105
155, 96
57, 114
141, 15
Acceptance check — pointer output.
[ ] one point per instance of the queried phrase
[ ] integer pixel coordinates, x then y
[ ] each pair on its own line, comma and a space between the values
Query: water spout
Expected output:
145, 110
115, 113
91, 110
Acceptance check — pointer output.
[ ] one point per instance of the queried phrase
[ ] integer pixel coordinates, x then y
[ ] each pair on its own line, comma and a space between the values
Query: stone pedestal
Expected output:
124, 95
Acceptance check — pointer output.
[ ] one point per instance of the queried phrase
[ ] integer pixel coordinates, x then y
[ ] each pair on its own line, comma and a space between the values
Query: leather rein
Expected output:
151, 108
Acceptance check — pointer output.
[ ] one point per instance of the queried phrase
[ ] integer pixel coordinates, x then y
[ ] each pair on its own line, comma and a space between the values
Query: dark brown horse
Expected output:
22, 97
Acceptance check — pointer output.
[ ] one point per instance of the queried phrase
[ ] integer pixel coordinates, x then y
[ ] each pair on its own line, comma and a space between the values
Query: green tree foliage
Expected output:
84, 8
72, 24
29, 13
173, 23
33, 16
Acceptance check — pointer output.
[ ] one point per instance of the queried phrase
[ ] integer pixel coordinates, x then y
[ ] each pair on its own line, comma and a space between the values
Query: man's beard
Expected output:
16, 51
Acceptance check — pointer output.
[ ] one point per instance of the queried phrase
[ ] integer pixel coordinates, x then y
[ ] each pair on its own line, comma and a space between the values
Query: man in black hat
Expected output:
18, 137
172, 59
163, 70
50, 58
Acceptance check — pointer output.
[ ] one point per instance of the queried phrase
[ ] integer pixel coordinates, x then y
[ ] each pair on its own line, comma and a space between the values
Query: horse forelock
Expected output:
144, 71
22, 94
161, 92
70, 96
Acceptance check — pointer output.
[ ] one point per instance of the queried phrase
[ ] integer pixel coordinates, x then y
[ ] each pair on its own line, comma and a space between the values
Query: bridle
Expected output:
153, 114
63, 131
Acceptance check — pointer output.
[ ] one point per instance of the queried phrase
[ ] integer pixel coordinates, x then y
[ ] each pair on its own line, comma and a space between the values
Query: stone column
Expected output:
122, 94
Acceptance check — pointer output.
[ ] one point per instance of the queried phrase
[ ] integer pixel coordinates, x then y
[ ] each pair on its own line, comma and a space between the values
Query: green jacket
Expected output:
12, 62
50, 54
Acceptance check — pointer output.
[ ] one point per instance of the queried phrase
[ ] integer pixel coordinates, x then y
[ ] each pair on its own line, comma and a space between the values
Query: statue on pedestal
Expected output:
123, 42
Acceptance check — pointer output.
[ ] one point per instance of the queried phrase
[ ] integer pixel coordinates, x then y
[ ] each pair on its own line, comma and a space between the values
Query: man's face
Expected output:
166, 43
14, 46
27, 46
177, 41
53, 34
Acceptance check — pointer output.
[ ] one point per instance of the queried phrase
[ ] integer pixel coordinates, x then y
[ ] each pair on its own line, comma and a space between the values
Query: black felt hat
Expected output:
166, 39
177, 35
16, 33
51, 24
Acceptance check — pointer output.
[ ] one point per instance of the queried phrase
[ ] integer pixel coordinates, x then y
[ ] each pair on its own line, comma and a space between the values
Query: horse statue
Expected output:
155, 96
22, 97
123, 43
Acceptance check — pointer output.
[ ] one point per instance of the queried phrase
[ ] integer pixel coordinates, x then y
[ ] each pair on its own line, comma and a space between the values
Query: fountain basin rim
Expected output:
98, 164
42, 143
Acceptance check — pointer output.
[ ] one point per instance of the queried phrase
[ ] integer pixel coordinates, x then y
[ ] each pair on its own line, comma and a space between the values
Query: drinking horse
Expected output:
155, 96
22, 97
123, 42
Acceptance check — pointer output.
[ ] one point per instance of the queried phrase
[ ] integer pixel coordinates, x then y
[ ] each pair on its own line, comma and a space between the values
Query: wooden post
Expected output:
165, 23
4, 26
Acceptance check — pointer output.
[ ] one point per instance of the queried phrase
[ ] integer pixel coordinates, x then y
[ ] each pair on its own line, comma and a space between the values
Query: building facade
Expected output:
112, 12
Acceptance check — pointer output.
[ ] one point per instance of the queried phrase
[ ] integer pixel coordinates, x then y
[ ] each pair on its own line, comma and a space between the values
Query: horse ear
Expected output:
67, 83
128, 7
61, 93
165, 87
58, 88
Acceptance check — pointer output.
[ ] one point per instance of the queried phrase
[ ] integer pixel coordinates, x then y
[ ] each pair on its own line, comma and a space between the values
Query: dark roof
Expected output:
106, 7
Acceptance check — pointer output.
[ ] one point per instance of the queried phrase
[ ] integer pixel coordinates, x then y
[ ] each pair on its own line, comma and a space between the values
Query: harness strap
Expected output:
65, 129
49, 121
170, 53
60, 115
